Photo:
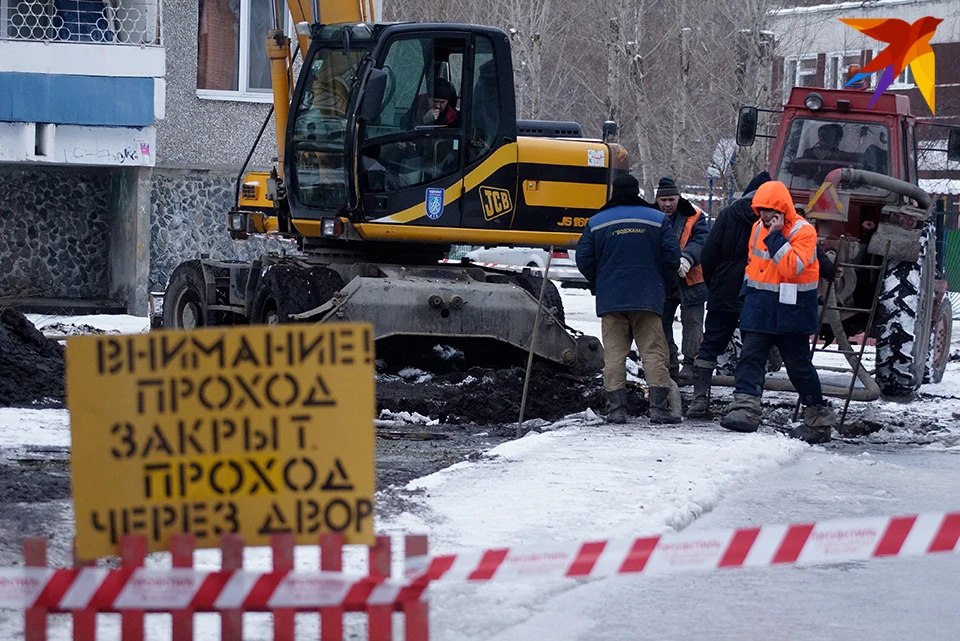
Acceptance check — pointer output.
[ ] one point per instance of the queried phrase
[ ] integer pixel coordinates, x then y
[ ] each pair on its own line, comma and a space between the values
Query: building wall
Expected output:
189, 218
198, 132
55, 240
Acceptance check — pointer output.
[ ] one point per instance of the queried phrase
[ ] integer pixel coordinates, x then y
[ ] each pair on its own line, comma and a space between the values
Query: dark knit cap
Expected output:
625, 185
443, 90
667, 187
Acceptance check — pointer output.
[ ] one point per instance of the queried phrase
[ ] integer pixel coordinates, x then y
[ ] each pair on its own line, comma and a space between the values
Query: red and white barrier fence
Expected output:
770, 545
183, 590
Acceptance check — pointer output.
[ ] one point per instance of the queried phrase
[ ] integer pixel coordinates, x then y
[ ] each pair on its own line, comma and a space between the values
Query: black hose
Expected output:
243, 169
253, 148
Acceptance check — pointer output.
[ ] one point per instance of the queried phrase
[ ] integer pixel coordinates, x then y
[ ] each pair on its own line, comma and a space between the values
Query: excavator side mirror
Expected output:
953, 145
747, 126
373, 95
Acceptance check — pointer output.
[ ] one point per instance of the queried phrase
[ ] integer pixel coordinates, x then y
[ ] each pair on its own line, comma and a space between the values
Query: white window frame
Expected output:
795, 60
244, 94
902, 82
833, 80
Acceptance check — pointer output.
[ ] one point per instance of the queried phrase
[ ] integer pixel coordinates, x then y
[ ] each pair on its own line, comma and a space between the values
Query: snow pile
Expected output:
412, 418
447, 353
415, 375
31, 366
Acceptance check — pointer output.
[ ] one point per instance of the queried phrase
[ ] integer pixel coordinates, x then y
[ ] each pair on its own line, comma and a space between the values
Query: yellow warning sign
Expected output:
250, 430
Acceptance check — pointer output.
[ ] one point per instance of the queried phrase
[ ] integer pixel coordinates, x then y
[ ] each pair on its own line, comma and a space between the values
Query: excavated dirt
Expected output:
32, 372
31, 366
490, 396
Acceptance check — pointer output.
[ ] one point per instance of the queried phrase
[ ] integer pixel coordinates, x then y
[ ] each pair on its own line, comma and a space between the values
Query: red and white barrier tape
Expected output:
825, 542
180, 588
164, 590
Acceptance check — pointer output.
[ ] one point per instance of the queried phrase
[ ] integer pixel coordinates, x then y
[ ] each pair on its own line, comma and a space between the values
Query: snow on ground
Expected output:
581, 482
34, 428
74, 325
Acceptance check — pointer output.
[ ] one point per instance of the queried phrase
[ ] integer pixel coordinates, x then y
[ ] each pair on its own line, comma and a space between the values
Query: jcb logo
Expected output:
495, 201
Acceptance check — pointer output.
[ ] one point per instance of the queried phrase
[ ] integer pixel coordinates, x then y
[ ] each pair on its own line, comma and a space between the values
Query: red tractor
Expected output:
852, 171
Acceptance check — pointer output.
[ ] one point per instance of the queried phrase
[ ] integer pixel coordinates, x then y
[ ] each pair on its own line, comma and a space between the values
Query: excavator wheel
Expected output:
185, 301
286, 290
551, 298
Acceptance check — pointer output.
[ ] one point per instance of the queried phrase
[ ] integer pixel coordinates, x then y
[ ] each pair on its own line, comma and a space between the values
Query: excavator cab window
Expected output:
815, 147
319, 126
417, 138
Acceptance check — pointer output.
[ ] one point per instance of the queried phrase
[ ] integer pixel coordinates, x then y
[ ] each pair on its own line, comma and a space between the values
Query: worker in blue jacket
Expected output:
626, 253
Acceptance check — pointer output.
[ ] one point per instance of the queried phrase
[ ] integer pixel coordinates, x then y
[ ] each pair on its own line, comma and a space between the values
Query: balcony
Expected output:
104, 22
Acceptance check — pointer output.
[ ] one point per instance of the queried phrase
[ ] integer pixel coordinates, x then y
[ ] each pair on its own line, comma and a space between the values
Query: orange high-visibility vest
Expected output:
695, 275
796, 261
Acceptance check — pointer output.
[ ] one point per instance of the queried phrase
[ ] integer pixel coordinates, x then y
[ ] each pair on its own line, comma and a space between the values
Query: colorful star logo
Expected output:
907, 44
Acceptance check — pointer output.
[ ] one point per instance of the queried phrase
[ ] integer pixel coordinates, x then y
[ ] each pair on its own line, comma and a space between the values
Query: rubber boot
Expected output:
818, 423
617, 406
743, 414
660, 411
700, 405
686, 375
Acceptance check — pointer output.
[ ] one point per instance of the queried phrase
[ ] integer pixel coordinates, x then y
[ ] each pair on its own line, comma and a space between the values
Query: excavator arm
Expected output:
304, 14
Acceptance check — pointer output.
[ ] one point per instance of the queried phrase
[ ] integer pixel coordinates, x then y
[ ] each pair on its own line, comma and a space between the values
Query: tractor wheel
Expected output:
185, 300
286, 290
940, 352
904, 312
551, 298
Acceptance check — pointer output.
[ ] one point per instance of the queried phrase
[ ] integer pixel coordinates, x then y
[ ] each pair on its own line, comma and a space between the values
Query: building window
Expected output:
232, 61
838, 68
799, 71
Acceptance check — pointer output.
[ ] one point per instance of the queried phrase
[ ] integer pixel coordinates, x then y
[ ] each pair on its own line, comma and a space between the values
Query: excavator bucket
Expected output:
459, 305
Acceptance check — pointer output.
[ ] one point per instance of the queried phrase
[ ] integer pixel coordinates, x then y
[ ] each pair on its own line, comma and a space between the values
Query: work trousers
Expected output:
619, 330
795, 350
717, 332
691, 318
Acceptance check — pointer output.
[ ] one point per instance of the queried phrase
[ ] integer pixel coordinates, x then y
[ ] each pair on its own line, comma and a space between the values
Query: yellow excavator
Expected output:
396, 141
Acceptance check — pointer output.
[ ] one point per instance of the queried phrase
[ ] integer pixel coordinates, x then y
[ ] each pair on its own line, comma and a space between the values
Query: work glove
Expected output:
684, 267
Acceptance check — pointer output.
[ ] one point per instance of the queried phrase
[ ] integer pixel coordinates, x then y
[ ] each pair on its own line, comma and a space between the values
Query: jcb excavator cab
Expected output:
402, 160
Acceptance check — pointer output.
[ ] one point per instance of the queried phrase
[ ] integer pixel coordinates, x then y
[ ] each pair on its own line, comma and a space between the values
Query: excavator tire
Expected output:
904, 311
286, 290
551, 298
185, 300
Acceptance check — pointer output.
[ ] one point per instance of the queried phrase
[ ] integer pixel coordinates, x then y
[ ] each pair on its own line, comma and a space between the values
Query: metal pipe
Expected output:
533, 342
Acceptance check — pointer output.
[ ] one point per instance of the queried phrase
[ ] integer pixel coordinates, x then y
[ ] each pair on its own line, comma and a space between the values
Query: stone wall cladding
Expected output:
54, 235
190, 217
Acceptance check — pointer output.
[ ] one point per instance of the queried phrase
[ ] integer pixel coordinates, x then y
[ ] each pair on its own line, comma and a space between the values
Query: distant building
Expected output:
815, 49
123, 127
81, 93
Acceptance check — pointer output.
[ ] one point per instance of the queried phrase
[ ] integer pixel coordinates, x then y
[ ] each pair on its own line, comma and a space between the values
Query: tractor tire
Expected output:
551, 297
285, 290
185, 300
942, 334
904, 311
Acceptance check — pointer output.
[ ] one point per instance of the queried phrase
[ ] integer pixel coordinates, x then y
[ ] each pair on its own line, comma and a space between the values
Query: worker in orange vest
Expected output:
779, 309
687, 289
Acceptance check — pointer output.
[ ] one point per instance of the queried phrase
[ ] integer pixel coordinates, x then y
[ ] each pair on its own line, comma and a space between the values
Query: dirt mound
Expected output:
488, 396
31, 366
